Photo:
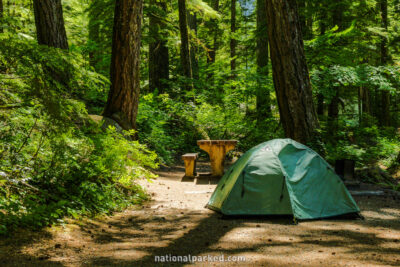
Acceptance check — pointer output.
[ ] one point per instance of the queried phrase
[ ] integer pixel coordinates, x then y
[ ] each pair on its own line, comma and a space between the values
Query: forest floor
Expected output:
175, 222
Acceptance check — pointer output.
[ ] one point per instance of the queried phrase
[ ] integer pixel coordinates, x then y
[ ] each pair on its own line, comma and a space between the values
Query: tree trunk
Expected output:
366, 105
333, 108
233, 40
214, 33
305, 19
263, 101
123, 98
193, 48
94, 31
49, 22
1, 15
290, 72
213, 45
185, 53
320, 104
385, 95
158, 50
322, 26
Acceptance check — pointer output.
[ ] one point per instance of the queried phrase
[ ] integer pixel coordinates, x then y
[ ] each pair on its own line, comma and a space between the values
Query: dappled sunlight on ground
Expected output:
175, 222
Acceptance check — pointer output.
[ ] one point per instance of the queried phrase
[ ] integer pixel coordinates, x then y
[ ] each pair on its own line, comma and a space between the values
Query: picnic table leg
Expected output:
217, 155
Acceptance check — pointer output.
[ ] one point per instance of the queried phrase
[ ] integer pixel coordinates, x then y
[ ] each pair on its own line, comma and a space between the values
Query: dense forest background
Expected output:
191, 70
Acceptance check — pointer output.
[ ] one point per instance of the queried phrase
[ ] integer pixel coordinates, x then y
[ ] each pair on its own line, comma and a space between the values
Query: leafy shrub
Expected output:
54, 160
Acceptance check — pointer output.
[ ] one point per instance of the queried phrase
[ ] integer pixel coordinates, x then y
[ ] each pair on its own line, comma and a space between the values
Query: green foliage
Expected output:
54, 160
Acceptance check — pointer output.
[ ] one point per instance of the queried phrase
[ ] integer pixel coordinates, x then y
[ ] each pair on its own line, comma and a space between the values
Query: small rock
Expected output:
373, 254
258, 226
269, 240
168, 187
184, 227
320, 251
92, 236
57, 246
89, 232
109, 226
141, 229
103, 230
130, 220
333, 253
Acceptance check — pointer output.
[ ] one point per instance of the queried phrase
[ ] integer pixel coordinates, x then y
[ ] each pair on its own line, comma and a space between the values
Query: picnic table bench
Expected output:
190, 164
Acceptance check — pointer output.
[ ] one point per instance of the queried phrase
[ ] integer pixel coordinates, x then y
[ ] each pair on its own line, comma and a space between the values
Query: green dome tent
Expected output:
282, 177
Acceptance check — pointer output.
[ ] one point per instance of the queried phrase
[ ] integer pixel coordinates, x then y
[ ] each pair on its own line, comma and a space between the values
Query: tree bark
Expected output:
158, 50
123, 98
233, 40
185, 52
290, 72
49, 22
263, 101
385, 95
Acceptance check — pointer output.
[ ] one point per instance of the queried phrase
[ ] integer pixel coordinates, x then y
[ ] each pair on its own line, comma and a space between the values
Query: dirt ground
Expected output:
175, 223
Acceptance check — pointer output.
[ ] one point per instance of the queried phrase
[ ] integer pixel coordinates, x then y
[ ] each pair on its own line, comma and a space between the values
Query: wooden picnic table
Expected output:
217, 150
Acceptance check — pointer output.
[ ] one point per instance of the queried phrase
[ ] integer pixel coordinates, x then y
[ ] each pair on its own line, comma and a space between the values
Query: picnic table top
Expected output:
217, 142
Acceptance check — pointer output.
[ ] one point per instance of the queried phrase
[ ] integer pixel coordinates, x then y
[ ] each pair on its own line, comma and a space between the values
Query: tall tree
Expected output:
290, 72
49, 22
385, 95
158, 50
1, 15
322, 29
333, 107
94, 32
213, 46
233, 38
123, 98
262, 94
185, 52
306, 20
193, 48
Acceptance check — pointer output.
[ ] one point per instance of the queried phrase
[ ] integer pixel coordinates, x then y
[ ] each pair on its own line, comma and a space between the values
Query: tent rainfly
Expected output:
282, 177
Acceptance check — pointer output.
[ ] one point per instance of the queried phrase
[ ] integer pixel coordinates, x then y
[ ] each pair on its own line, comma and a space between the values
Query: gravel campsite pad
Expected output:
175, 223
